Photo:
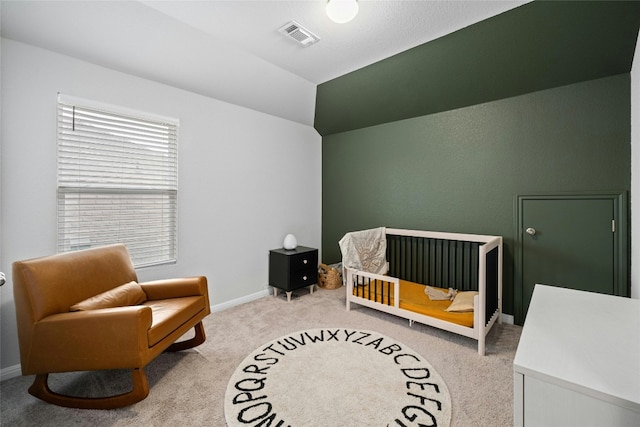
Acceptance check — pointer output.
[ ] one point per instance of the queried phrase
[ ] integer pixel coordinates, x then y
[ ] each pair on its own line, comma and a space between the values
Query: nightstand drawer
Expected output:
304, 278
304, 261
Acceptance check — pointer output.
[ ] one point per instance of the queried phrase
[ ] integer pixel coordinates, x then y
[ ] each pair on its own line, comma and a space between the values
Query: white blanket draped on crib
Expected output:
365, 250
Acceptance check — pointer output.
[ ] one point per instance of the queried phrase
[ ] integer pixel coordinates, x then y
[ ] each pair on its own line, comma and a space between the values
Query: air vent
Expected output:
298, 33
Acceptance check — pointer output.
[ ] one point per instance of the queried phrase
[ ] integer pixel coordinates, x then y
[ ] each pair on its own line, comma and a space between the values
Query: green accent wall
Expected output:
537, 46
461, 170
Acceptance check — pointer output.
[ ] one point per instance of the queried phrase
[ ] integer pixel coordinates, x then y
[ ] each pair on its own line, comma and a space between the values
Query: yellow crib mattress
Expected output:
413, 298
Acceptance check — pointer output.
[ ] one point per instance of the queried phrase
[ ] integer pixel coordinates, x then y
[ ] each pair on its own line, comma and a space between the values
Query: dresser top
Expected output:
297, 250
583, 341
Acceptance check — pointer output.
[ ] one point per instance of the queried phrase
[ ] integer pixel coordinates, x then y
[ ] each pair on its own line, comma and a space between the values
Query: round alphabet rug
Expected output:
336, 377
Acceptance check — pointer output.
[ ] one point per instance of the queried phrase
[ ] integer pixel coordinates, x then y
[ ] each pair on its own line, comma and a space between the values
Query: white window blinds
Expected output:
117, 180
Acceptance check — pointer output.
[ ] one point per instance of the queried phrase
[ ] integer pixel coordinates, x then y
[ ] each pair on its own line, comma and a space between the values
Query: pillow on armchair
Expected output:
121, 296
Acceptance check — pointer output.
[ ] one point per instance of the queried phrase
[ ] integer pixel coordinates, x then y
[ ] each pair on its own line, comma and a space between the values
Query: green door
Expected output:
570, 242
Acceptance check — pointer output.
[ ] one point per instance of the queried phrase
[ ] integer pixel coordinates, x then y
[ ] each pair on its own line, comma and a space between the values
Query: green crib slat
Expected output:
436, 262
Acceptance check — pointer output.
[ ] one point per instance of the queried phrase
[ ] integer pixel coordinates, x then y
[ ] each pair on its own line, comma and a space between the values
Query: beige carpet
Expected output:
188, 388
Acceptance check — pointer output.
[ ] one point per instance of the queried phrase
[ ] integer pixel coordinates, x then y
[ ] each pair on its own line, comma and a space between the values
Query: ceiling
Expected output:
538, 46
381, 29
232, 50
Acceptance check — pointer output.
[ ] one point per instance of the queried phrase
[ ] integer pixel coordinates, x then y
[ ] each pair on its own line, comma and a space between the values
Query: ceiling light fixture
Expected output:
341, 11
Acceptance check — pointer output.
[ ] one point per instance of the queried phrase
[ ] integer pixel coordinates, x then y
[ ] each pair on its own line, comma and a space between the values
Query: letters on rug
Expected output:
331, 377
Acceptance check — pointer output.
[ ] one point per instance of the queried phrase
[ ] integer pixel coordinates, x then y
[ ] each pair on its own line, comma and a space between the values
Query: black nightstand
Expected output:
293, 269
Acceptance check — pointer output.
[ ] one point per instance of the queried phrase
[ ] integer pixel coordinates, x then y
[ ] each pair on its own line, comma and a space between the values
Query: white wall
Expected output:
635, 173
246, 178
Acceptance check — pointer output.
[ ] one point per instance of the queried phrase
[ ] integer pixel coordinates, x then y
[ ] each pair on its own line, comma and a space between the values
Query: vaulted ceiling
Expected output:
382, 28
537, 46
232, 50
397, 59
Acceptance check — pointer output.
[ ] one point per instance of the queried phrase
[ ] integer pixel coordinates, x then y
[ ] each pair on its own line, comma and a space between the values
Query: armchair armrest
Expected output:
109, 338
176, 288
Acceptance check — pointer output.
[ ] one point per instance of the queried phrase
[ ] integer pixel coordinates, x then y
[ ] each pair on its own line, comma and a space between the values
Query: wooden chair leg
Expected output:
41, 390
198, 339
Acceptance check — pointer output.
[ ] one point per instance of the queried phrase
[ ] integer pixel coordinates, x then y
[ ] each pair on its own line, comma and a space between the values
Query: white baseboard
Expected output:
241, 300
507, 318
10, 372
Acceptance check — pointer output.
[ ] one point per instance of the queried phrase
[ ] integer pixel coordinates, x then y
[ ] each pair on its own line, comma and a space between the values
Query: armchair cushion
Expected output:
170, 312
120, 296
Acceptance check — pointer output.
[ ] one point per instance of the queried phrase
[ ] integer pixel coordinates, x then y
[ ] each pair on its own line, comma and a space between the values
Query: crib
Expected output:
466, 262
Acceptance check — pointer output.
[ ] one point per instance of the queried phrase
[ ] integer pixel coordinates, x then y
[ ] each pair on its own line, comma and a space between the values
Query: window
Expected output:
117, 180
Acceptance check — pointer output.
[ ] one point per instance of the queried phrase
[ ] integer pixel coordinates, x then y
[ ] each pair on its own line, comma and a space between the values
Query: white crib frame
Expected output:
480, 329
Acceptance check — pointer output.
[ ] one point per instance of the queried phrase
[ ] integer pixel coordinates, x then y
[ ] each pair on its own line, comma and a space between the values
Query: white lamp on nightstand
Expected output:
290, 242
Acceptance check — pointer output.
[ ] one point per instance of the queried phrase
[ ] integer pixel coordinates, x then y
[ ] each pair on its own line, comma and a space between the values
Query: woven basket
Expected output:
329, 278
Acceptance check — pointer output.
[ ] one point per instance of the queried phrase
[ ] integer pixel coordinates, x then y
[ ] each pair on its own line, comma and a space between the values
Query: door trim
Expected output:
622, 280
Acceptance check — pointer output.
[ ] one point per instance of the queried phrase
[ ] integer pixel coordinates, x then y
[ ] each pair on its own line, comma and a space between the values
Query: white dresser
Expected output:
578, 361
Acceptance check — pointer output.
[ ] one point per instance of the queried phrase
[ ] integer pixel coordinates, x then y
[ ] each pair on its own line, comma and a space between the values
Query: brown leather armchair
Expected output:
84, 310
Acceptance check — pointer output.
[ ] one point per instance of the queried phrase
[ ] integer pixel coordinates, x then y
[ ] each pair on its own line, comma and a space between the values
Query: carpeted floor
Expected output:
188, 388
